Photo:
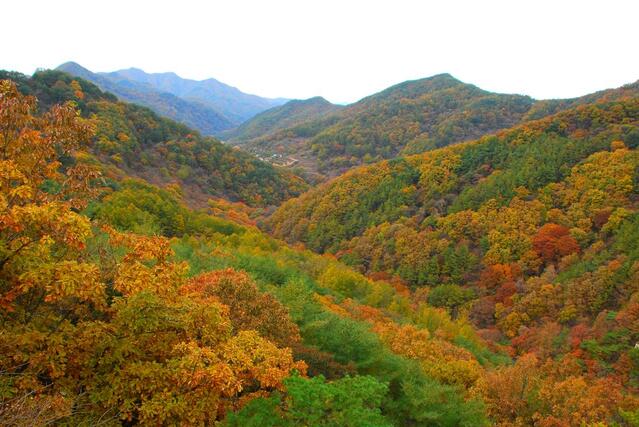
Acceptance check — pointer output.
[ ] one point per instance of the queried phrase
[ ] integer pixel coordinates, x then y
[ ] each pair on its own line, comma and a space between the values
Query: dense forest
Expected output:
121, 305
408, 118
274, 119
133, 141
491, 282
208, 106
529, 234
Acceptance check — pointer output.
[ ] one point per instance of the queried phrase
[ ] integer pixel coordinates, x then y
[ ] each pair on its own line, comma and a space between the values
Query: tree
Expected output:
249, 309
349, 402
450, 296
554, 241
510, 390
38, 193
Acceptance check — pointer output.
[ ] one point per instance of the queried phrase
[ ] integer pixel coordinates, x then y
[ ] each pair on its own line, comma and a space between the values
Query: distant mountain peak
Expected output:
440, 76
70, 64
319, 100
440, 79
74, 68
207, 105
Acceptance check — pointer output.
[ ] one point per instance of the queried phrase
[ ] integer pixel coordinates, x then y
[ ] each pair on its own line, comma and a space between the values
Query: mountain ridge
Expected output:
286, 115
132, 140
490, 282
234, 104
209, 106
408, 118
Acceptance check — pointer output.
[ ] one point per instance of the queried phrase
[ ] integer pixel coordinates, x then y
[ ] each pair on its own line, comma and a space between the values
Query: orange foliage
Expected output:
250, 309
554, 241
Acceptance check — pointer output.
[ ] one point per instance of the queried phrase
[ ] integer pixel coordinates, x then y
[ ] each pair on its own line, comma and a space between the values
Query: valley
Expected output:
432, 255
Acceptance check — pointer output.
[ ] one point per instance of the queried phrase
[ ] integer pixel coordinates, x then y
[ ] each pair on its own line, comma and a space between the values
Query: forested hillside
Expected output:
409, 118
511, 305
120, 305
531, 233
491, 282
208, 106
133, 141
285, 116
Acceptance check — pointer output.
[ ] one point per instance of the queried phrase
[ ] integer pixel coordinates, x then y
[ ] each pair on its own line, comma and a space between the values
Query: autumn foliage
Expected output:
488, 283
104, 332
553, 242
530, 234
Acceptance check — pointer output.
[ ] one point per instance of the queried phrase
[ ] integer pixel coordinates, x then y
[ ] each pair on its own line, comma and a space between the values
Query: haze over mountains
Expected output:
209, 106
323, 139
134, 141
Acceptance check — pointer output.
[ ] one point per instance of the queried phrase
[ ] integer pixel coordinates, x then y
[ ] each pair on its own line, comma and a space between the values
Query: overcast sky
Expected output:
342, 50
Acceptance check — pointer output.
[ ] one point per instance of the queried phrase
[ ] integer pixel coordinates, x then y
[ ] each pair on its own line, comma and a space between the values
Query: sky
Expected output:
341, 50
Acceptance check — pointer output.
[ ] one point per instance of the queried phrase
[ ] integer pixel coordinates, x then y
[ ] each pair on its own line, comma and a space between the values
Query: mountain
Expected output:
208, 106
411, 116
531, 234
134, 141
200, 117
502, 290
407, 118
121, 305
284, 116
232, 103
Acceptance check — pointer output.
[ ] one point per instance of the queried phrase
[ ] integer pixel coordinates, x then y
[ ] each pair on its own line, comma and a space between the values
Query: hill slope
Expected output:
132, 140
533, 230
284, 116
119, 305
409, 118
208, 106
232, 103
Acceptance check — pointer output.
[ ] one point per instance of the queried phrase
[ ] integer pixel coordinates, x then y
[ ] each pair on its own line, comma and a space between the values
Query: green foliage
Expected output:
145, 209
405, 119
531, 165
135, 139
425, 402
609, 347
350, 402
450, 296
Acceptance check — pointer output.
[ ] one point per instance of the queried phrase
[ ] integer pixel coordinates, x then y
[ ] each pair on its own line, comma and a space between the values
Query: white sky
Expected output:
342, 50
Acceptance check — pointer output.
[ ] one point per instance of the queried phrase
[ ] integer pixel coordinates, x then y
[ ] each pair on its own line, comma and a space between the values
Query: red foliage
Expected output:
553, 241
577, 334
537, 340
601, 217
505, 292
494, 276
